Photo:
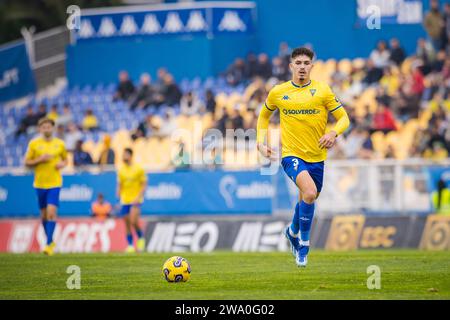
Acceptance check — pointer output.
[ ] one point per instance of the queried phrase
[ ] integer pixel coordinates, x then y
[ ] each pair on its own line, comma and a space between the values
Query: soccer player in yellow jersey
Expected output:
47, 155
131, 185
304, 105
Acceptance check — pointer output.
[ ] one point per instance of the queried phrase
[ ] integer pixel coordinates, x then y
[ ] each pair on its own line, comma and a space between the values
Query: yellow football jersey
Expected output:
46, 175
303, 117
131, 178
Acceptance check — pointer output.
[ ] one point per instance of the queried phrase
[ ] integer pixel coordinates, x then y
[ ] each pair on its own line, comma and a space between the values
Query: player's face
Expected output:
126, 157
301, 67
46, 129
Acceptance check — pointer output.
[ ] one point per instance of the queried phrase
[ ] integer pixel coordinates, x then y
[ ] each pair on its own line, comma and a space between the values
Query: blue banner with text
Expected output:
181, 192
16, 76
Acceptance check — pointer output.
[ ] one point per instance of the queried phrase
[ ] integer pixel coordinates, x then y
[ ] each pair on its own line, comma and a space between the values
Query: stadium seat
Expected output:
345, 66
378, 141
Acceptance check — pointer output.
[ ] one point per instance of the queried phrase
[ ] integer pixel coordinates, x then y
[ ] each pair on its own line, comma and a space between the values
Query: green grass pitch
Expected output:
405, 274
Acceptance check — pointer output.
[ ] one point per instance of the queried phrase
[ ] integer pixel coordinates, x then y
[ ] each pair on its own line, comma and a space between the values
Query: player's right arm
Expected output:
263, 125
31, 158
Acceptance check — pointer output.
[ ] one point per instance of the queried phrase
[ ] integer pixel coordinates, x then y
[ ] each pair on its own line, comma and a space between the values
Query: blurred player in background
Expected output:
47, 156
131, 185
304, 105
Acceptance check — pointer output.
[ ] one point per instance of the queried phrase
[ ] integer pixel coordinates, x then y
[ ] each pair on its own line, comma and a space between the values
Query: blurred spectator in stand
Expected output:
53, 114
172, 93
435, 80
383, 119
235, 73
81, 157
251, 65
417, 82
60, 132
66, 117
190, 104
380, 55
366, 151
164, 127
237, 121
72, 135
434, 23
279, 69
100, 208
426, 53
256, 101
419, 143
446, 29
222, 121
390, 80
446, 72
438, 64
251, 121
210, 101
258, 84
397, 54
373, 74
90, 122
144, 95
159, 83
382, 97
390, 152
264, 68
28, 123
353, 143
437, 139
406, 106
125, 88
284, 52
144, 128
412, 87
42, 111
107, 156
436, 151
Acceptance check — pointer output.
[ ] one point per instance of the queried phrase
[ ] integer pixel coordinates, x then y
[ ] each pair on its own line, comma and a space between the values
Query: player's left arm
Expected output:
64, 161
143, 181
337, 110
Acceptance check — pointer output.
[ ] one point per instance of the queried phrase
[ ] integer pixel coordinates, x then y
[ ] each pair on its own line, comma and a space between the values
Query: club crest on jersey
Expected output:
313, 91
285, 98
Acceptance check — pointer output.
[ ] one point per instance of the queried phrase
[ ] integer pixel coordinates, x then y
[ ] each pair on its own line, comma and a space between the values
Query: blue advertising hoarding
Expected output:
181, 192
16, 76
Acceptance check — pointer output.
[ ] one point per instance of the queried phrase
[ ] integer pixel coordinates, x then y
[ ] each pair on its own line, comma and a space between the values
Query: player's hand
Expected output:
266, 151
60, 165
328, 140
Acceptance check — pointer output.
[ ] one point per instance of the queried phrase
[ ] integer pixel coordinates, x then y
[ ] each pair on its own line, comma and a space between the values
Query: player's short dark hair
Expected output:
45, 120
129, 150
302, 51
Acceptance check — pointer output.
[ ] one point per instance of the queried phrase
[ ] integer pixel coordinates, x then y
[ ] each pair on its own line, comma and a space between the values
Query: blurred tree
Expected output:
43, 14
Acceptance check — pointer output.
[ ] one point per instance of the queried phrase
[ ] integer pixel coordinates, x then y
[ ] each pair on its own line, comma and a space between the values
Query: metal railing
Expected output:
367, 186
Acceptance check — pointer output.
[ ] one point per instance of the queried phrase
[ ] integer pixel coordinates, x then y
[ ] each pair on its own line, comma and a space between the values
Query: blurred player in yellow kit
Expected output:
131, 185
304, 105
47, 155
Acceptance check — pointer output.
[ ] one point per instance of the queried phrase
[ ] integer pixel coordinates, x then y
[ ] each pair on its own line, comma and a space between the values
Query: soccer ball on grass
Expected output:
176, 269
